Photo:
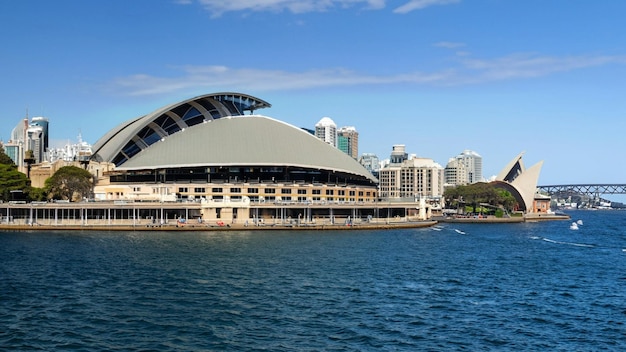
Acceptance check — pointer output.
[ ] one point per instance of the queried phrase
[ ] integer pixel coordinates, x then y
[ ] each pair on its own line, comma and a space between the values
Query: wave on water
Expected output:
566, 243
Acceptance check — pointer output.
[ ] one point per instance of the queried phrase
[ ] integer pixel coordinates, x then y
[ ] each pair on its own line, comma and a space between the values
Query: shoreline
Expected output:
230, 227
494, 220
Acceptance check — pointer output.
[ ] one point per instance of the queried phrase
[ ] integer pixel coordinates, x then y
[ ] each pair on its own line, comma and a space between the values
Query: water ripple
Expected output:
505, 287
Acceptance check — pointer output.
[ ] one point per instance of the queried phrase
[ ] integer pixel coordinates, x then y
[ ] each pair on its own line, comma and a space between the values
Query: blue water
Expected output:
532, 286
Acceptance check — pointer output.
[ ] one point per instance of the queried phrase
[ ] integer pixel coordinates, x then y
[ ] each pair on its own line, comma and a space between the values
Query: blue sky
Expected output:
495, 76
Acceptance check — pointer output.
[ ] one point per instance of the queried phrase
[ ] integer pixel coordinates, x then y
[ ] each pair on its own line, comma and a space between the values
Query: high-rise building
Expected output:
17, 143
13, 150
43, 123
348, 141
35, 142
455, 173
473, 163
370, 162
29, 136
326, 130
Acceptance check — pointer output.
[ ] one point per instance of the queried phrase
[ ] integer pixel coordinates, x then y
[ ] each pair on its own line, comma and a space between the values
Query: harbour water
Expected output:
527, 286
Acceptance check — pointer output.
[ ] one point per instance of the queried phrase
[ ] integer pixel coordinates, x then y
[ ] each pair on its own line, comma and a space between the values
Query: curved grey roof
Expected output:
211, 130
127, 139
250, 140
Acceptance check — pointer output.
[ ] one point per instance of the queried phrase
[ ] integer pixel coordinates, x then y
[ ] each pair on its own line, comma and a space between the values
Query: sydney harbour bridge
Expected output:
591, 190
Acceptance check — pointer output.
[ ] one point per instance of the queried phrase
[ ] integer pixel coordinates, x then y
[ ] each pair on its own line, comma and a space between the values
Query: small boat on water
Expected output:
573, 226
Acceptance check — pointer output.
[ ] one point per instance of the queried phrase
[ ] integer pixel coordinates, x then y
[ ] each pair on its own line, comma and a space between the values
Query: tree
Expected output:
478, 193
69, 182
12, 180
4, 158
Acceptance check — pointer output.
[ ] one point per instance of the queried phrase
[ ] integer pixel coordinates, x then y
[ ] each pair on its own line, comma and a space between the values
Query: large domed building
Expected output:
213, 149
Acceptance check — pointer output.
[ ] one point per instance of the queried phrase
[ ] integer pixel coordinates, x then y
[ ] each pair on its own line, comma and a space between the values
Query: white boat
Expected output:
573, 226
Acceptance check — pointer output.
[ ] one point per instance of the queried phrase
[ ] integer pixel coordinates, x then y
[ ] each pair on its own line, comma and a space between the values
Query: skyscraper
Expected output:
326, 130
348, 141
43, 123
17, 143
473, 165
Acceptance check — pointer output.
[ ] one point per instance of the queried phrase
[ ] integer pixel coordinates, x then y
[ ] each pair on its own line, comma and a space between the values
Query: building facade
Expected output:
348, 141
410, 178
326, 130
473, 164
455, 173
370, 162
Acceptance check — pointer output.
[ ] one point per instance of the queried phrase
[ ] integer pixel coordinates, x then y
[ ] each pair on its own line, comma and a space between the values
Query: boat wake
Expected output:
568, 243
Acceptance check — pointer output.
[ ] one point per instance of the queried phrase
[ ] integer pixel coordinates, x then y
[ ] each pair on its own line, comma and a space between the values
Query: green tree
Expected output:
69, 182
12, 180
479, 193
4, 158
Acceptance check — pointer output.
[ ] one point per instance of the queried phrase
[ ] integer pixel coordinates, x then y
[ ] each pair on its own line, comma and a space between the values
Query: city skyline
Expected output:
439, 76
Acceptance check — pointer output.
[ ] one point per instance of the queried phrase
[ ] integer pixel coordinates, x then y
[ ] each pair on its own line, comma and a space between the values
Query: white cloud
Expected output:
421, 4
466, 71
218, 7
529, 66
221, 77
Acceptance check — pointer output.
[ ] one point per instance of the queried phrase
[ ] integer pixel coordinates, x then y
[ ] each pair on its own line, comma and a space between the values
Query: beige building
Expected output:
455, 173
411, 179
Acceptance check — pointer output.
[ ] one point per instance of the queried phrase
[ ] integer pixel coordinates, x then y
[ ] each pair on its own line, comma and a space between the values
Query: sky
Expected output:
498, 77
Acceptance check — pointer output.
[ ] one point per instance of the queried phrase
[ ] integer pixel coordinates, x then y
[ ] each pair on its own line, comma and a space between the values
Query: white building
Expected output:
326, 130
80, 151
473, 164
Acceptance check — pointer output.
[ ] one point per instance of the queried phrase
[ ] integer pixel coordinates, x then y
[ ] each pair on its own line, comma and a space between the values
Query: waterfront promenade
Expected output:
214, 226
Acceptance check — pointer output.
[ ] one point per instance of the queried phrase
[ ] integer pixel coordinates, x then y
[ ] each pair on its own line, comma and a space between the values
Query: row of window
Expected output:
235, 190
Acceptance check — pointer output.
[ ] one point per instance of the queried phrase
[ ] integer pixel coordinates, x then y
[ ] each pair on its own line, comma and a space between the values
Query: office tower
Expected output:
473, 165
35, 142
348, 141
18, 143
43, 123
370, 162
